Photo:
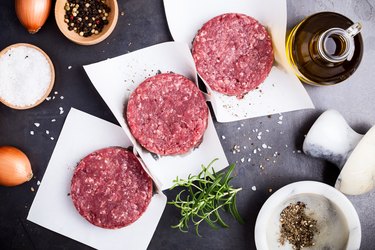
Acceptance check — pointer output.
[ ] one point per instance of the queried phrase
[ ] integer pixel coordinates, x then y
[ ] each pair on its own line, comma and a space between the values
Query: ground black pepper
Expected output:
296, 227
86, 17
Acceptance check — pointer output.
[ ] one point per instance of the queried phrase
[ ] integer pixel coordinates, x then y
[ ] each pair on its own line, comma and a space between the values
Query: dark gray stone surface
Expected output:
144, 24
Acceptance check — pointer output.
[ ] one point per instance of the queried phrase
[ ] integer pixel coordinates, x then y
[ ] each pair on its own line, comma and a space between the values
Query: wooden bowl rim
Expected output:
91, 40
51, 84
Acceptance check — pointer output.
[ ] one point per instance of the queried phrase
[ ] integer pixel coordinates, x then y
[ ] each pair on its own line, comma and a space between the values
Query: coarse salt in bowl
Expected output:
27, 76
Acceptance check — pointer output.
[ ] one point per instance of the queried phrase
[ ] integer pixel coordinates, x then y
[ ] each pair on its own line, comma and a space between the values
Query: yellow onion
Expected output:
33, 13
15, 167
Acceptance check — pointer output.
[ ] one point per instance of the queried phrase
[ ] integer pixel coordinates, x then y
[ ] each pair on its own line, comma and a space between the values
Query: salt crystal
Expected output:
48, 98
280, 122
259, 137
223, 137
280, 117
53, 97
61, 97
47, 132
61, 110
31, 132
25, 76
249, 160
69, 67
244, 147
53, 120
267, 130
269, 147
299, 151
38, 183
264, 145
56, 93
242, 159
52, 138
255, 151
254, 188
37, 124
239, 128
242, 124
32, 189
286, 145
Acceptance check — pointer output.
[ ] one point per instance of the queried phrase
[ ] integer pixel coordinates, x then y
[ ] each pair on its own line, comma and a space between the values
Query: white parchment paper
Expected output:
53, 208
116, 78
281, 91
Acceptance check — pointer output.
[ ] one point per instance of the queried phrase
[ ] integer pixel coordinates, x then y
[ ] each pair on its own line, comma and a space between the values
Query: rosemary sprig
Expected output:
204, 196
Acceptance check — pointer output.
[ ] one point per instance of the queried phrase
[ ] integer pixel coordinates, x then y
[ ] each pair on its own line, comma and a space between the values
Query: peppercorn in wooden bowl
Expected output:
86, 22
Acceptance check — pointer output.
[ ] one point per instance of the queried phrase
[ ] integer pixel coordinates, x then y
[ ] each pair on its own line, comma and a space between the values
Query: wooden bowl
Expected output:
48, 91
93, 39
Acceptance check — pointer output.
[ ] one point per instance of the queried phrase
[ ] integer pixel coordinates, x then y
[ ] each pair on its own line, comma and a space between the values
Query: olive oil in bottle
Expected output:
325, 48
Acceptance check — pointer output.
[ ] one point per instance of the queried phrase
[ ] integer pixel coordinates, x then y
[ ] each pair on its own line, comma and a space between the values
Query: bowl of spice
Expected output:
307, 215
27, 76
86, 22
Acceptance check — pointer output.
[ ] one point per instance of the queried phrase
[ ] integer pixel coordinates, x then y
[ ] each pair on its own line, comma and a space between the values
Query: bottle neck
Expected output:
337, 45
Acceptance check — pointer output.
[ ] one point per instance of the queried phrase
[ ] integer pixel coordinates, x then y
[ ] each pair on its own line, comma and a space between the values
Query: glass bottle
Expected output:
325, 48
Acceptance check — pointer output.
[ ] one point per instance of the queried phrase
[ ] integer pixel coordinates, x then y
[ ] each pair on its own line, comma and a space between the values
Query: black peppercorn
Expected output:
86, 17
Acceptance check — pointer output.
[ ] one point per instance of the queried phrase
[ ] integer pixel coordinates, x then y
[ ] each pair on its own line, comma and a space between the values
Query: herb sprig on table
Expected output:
204, 196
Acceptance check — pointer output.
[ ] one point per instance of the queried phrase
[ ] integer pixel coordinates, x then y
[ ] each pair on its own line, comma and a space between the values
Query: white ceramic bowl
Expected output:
337, 219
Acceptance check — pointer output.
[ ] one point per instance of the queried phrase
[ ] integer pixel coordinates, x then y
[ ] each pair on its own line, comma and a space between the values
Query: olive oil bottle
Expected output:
325, 48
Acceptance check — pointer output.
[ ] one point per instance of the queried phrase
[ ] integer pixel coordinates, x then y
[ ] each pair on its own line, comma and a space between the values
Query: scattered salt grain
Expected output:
38, 183
280, 117
61, 97
56, 93
25, 75
53, 120
32, 189
48, 98
31, 132
264, 145
52, 138
53, 97
47, 132
242, 159
254, 188
249, 160
280, 122
61, 110
223, 137
69, 67
37, 124
299, 151
255, 151
259, 137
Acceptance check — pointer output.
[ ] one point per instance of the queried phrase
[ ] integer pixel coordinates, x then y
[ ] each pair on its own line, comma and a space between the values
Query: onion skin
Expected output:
32, 13
15, 167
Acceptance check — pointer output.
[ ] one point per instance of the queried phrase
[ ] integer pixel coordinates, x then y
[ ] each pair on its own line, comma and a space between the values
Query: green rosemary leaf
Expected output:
234, 211
204, 196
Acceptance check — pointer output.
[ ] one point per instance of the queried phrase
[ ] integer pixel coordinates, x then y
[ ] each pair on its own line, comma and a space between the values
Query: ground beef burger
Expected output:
110, 188
233, 53
167, 114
